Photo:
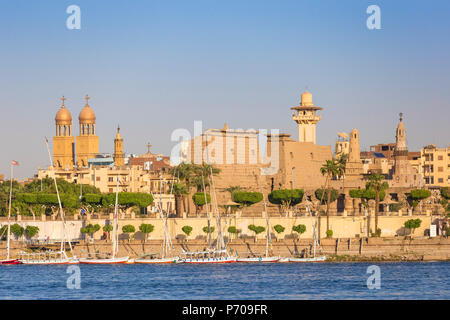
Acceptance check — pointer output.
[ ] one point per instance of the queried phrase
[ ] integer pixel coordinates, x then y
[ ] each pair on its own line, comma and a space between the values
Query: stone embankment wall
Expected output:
374, 249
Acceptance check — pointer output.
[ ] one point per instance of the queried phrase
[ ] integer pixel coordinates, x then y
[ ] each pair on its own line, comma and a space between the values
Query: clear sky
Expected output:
154, 66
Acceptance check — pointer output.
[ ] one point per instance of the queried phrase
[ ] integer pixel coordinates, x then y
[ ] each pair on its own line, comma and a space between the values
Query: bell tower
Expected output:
87, 141
119, 159
63, 141
306, 118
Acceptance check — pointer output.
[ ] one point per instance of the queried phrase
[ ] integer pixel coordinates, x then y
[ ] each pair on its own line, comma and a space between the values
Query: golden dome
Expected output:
63, 115
87, 115
306, 99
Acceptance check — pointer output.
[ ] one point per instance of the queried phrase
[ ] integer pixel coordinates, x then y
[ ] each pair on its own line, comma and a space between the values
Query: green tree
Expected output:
256, 229
286, 198
90, 229
377, 183
187, 230
206, 230
17, 230
279, 228
247, 199
417, 195
329, 233
413, 224
108, 229
330, 169
179, 191
300, 229
146, 229
31, 231
199, 200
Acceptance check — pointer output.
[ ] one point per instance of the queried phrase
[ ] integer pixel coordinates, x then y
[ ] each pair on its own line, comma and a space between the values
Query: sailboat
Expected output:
216, 255
152, 258
314, 258
8, 259
52, 257
115, 240
266, 258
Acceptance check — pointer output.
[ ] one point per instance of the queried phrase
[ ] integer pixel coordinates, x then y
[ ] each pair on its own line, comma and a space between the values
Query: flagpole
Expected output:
9, 216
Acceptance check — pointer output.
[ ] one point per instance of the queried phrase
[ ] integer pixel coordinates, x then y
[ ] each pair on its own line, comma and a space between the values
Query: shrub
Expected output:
187, 230
246, 198
146, 228
128, 228
301, 228
413, 224
17, 230
395, 206
31, 231
256, 229
233, 229
279, 228
329, 233
420, 194
323, 195
206, 230
286, 197
109, 228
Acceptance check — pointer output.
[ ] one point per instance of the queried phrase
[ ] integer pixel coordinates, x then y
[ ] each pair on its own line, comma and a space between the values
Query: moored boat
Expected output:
208, 256
153, 259
10, 261
120, 260
259, 259
311, 259
50, 257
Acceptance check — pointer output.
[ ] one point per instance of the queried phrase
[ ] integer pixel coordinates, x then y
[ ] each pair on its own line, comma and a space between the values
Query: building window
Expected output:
110, 190
97, 178
440, 157
440, 169
111, 179
441, 180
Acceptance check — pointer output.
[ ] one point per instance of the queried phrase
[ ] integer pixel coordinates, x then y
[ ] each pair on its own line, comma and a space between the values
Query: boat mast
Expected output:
115, 226
207, 211
59, 201
9, 215
220, 245
268, 237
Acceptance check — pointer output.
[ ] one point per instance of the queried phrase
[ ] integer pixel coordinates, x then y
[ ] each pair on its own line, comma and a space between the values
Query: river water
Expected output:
285, 281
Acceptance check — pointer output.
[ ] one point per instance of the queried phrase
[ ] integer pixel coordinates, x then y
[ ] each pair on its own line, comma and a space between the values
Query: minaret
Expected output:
87, 141
63, 142
306, 118
354, 167
119, 158
402, 172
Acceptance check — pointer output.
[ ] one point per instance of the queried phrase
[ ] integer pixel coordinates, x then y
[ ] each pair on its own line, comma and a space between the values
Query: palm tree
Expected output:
330, 169
376, 182
179, 191
341, 162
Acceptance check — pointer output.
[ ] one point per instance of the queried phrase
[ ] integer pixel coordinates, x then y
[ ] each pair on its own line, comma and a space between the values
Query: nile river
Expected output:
407, 280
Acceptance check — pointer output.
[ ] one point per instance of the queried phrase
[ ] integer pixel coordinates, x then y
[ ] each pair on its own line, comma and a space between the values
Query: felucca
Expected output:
151, 258
115, 240
314, 258
216, 255
266, 258
8, 259
52, 257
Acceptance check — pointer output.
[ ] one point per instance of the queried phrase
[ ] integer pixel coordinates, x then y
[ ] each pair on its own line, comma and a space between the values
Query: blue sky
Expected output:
155, 66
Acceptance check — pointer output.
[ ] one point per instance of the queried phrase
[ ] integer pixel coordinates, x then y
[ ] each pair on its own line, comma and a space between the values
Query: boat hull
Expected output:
104, 261
314, 259
48, 262
10, 261
259, 259
157, 261
211, 260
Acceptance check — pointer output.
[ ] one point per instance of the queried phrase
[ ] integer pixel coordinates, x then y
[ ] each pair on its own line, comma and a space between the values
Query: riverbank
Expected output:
337, 250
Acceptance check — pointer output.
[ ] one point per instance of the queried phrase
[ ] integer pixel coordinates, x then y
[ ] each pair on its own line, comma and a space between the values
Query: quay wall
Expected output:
387, 249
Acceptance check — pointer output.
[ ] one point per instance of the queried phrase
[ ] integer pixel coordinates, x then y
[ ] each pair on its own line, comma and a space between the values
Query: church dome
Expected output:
306, 99
63, 116
87, 115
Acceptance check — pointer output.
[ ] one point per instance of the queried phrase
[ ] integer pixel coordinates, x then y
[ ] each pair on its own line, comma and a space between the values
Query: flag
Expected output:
14, 163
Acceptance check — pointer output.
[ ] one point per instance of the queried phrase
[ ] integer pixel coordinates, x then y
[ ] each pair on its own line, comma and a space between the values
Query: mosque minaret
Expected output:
306, 118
